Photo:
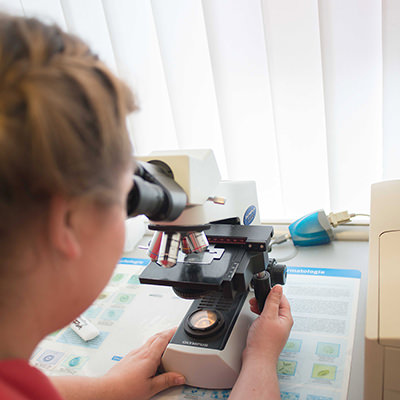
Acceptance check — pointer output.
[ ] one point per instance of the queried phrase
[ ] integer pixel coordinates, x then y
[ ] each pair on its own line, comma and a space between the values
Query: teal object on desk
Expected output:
311, 230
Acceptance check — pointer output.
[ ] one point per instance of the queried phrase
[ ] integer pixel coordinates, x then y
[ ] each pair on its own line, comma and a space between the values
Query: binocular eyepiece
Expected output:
155, 193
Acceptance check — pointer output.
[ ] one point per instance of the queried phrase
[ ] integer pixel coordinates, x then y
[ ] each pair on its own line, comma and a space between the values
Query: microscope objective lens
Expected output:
169, 249
186, 246
154, 247
197, 241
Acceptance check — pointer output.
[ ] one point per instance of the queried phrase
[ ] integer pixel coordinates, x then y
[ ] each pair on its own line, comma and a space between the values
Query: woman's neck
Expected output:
21, 326
18, 342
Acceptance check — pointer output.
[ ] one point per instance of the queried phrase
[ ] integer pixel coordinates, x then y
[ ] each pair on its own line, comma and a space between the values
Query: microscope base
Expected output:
211, 368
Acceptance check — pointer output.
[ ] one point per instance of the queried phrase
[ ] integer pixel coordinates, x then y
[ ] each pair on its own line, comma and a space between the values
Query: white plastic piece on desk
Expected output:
135, 228
84, 328
357, 235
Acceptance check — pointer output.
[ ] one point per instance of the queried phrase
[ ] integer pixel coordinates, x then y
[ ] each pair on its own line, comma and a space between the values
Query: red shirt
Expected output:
20, 381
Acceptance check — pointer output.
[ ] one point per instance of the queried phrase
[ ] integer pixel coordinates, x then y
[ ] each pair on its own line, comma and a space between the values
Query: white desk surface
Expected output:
343, 255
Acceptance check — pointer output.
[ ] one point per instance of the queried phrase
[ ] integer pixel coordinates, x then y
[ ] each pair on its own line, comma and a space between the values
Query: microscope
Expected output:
206, 249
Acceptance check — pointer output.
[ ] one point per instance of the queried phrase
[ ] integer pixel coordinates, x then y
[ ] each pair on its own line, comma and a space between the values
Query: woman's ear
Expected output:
62, 232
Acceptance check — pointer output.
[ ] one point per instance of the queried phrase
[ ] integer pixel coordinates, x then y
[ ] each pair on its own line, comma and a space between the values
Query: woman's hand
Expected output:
134, 377
266, 338
270, 331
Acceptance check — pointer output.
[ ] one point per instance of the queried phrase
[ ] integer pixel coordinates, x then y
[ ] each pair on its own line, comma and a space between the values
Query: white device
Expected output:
382, 332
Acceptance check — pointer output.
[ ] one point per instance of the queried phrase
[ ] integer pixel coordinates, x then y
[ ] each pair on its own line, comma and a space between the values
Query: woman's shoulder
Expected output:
20, 381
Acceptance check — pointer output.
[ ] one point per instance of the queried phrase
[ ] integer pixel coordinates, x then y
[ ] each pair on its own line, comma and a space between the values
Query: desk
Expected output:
342, 255
346, 255
338, 255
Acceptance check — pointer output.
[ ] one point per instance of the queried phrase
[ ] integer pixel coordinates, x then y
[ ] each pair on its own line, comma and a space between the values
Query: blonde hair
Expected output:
62, 121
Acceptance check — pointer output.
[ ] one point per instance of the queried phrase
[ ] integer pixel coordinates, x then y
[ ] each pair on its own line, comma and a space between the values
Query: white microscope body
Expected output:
208, 197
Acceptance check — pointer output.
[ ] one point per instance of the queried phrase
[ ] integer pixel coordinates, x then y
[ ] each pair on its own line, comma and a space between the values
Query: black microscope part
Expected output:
223, 285
244, 255
262, 287
155, 194
278, 272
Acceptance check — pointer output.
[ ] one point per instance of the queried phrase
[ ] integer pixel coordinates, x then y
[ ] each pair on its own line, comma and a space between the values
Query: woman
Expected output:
65, 172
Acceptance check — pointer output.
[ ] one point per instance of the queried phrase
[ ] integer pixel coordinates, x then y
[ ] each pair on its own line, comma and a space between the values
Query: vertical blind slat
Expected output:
351, 40
138, 57
48, 10
294, 54
12, 7
184, 49
240, 68
87, 20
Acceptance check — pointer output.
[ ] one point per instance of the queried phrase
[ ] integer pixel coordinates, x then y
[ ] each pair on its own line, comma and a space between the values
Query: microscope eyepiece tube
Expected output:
169, 249
155, 193
145, 198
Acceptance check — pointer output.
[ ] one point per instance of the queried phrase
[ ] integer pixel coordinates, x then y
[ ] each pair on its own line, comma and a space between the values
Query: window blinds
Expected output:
301, 96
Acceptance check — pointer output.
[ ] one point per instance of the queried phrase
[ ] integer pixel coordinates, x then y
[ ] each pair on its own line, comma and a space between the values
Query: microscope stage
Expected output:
236, 252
